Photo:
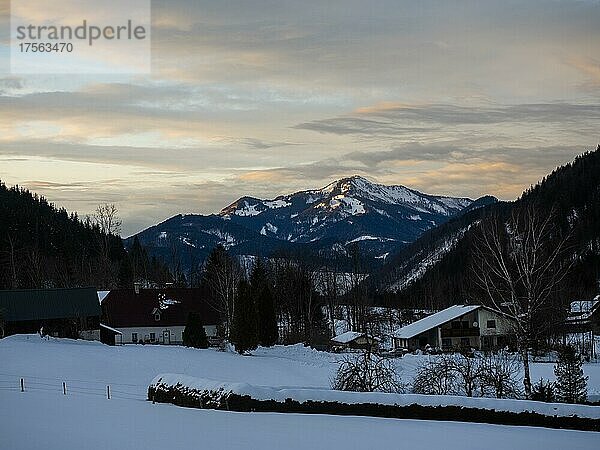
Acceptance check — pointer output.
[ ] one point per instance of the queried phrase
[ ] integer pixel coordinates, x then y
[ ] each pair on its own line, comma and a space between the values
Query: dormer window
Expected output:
156, 314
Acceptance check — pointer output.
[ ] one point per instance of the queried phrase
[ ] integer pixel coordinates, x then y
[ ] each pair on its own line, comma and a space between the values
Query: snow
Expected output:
435, 320
114, 330
227, 240
268, 227
328, 395
428, 260
275, 204
187, 241
584, 306
53, 421
346, 337
247, 210
164, 302
364, 238
102, 295
42, 417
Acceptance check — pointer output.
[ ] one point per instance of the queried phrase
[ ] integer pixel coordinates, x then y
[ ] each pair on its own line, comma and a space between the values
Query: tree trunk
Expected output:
526, 375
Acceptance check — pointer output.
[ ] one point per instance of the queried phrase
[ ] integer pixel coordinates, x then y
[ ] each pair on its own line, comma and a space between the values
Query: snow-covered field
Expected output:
42, 417
43, 420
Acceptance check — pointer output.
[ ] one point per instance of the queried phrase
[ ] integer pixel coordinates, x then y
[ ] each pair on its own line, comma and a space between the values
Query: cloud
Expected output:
389, 119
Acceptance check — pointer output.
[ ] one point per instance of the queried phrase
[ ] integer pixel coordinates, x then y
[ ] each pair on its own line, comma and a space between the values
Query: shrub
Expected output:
367, 373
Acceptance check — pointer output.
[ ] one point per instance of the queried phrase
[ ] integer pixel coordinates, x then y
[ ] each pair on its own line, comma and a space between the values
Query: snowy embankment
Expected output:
199, 385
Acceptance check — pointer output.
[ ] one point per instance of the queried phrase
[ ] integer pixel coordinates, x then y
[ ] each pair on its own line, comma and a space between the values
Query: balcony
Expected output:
459, 332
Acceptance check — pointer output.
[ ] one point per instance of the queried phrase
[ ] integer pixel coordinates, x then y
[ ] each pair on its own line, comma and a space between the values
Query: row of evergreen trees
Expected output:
42, 246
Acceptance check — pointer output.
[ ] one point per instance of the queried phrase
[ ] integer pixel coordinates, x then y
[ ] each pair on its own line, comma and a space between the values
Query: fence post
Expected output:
108, 392
64, 388
22, 385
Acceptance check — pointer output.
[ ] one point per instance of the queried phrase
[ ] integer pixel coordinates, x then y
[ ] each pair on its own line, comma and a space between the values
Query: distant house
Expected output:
355, 340
72, 313
155, 316
459, 326
582, 325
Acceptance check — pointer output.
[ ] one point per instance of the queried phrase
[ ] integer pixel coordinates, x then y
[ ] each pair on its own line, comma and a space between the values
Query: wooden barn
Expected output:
71, 313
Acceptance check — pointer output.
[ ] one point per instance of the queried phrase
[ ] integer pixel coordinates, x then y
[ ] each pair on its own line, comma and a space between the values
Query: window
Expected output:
491, 324
465, 342
446, 343
465, 324
134, 337
157, 317
152, 337
456, 324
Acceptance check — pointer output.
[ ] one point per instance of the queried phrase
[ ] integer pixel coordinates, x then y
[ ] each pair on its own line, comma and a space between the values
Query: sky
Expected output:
264, 98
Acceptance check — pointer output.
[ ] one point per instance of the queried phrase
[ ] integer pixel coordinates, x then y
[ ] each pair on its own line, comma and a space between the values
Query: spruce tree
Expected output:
194, 334
265, 305
244, 334
543, 391
571, 384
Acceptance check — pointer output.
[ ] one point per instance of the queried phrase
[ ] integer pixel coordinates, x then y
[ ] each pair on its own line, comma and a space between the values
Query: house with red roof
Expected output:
154, 316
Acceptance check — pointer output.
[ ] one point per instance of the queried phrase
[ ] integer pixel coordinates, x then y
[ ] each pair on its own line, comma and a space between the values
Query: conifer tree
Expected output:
571, 384
194, 334
265, 305
244, 334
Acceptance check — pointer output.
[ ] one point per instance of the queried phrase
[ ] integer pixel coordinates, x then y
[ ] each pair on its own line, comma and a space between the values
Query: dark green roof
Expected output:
36, 304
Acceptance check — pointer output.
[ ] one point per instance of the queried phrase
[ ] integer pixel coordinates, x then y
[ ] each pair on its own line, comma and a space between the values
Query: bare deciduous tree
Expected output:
500, 375
367, 372
519, 264
222, 275
107, 220
436, 376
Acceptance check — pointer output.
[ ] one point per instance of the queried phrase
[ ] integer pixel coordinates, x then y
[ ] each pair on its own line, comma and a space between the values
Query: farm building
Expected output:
154, 316
582, 325
71, 313
355, 340
459, 326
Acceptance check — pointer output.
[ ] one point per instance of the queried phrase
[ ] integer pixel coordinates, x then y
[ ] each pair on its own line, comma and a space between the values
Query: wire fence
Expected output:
69, 386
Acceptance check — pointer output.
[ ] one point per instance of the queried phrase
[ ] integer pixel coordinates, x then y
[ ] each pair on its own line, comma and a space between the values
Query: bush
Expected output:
436, 377
543, 392
500, 375
494, 375
367, 373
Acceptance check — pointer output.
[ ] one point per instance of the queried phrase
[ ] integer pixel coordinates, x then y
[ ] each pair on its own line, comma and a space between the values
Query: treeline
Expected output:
42, 246
265, 301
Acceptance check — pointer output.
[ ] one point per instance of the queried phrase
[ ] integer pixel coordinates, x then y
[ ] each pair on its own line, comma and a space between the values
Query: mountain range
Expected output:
433, 271
321, 223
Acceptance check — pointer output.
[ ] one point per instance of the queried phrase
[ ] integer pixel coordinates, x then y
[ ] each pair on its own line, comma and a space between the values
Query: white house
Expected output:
459, 326
156, 316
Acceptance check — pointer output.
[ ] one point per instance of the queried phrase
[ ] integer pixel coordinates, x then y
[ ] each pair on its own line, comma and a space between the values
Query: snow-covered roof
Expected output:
584, 306
114, 330
435, 320
349, 336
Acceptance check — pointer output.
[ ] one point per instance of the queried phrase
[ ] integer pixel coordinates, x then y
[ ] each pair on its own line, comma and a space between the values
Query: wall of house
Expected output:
176, 333
504, 325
